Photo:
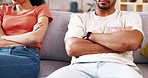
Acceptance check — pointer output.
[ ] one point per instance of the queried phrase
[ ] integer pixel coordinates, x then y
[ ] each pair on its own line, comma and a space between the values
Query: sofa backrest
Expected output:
137, 56
53, 43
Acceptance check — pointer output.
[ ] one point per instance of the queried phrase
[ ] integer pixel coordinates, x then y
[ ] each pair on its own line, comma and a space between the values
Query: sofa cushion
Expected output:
48, 66
137, 55
53, 43
143, 68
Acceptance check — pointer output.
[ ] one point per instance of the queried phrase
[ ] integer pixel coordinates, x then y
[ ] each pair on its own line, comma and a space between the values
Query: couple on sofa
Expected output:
100, 42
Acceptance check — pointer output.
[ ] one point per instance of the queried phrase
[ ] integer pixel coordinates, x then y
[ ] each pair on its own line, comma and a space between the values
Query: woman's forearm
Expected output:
33, 37
25, 39
5, 43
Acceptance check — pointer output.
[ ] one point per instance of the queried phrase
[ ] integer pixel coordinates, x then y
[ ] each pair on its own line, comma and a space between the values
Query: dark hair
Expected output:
37, 2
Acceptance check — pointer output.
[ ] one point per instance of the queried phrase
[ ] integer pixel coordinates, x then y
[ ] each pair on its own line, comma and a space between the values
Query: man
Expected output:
101, 43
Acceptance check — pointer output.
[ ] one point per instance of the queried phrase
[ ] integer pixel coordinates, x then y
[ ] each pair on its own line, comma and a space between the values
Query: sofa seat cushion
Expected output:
49, 66
144, 69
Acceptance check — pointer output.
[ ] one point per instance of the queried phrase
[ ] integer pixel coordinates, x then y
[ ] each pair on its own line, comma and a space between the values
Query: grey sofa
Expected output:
53, 55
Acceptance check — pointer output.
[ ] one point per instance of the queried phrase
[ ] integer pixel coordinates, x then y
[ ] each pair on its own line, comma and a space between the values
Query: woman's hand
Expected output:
37, 26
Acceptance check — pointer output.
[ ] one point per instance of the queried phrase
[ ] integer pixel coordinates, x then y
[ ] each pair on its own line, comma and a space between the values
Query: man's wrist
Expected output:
86, 37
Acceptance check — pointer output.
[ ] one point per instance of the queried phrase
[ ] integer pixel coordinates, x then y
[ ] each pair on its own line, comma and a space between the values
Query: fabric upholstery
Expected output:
53, 43
144, 69
53, 65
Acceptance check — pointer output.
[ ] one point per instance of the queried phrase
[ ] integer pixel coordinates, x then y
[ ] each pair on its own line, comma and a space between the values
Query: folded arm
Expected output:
30, 38
120, 41
78, 47
6, 43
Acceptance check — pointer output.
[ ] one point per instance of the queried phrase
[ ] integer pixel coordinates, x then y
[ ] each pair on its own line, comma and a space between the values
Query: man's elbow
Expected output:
69, 51
131, 46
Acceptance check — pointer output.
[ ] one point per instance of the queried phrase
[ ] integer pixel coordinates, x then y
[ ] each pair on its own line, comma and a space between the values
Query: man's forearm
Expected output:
121, 41
78, 47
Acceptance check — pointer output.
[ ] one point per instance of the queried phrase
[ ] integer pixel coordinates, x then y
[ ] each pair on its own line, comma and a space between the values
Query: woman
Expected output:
23, 26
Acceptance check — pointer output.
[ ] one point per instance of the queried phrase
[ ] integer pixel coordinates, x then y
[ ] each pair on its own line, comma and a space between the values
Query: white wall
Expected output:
6, 1
64, 5
61, 4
